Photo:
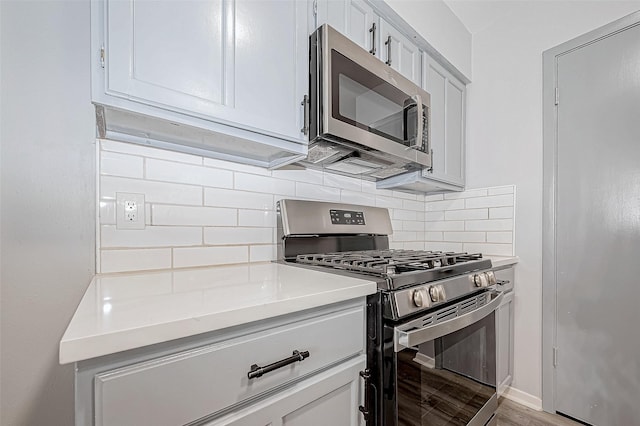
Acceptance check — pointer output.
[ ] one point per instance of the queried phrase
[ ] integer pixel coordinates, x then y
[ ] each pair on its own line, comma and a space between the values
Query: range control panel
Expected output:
346, 217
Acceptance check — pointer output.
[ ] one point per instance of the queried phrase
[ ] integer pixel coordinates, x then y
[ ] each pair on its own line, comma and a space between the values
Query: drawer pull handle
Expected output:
257, 371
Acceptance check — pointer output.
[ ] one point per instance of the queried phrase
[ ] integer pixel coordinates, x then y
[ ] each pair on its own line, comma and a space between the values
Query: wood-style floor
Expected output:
512, 414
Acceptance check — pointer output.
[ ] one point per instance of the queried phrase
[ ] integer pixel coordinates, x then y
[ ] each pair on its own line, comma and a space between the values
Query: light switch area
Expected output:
130, 211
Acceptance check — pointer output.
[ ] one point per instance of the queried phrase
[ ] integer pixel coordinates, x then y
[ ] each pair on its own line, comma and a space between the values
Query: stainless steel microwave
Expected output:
366, 118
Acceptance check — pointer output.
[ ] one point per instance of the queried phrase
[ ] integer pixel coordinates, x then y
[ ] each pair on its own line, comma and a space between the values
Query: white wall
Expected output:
504, 139
434, 21
47, 199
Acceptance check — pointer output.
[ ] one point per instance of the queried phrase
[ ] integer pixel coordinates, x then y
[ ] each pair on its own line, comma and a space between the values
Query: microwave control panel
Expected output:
346, 217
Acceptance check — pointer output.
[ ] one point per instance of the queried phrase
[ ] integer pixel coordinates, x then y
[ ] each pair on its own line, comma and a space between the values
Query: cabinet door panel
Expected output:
455, 131
504, 321
405, 56
437, 86
330, 398
353, 18
173, 54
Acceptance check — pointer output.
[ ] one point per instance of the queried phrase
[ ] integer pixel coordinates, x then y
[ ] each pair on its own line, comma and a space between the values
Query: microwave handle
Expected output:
420, 123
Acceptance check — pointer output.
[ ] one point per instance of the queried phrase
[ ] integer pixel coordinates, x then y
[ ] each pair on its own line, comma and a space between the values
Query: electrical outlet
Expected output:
129, 211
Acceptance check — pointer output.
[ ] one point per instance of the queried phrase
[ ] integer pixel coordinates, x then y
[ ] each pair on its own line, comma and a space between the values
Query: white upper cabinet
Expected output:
236, 63
360, 23
399, 52
447, 123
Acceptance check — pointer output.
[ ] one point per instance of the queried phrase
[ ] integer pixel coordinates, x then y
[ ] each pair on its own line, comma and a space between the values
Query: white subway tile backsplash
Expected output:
405, 195
162, 214
342, 182
497, 190
489, 225
489, 201
247, 182
228, 165
463, 237
237, 235
354, 197
466, 214
265, 253
134, 260
151, 236
466, 194
433, 236
203, 211
450, 225
489, 249
388, 202
116, 164
205, 256
445, 205
154, 192
145, 151
238, 199
443, 246
259, 218
315, 192
404, 214
501, 213
434, 216
500, 237
169, 171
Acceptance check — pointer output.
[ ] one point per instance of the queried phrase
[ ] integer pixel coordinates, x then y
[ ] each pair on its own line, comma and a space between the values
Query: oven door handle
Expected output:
411, 338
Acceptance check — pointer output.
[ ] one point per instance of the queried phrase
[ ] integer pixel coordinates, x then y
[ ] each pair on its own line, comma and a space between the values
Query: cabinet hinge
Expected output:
102, 56
555, 357
557, 96
315, 7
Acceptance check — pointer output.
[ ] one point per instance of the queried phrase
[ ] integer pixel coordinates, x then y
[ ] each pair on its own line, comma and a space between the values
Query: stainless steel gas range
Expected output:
431, 334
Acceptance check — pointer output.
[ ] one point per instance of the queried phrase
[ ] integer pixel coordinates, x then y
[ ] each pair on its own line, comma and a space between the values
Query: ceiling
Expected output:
477, 15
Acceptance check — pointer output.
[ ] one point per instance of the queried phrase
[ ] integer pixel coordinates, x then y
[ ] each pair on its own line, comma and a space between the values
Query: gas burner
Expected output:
388, 262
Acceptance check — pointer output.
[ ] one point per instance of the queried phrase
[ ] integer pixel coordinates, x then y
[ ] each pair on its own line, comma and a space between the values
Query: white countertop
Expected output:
498, 261
126, 311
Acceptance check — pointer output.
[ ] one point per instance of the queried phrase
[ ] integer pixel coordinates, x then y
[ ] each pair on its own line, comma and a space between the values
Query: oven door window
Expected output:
447, 381
368, 102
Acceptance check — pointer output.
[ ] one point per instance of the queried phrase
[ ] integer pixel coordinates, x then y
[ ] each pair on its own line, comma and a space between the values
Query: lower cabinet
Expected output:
504, 333
329, 398
298, 369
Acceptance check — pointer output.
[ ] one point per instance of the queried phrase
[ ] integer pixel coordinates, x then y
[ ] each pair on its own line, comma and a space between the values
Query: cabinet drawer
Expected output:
186, 386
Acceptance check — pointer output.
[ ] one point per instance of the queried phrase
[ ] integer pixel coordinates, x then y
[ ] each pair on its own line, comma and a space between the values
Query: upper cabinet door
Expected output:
447, 123
399, 52
353, 18
234, 61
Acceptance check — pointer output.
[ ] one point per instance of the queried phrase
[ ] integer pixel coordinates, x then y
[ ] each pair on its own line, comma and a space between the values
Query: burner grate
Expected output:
388, 262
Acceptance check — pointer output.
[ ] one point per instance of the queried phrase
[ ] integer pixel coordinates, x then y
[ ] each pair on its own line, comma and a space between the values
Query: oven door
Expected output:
362, 100
445, 365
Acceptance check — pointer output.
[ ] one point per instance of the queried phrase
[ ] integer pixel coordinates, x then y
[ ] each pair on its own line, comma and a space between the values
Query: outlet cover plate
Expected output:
126, 204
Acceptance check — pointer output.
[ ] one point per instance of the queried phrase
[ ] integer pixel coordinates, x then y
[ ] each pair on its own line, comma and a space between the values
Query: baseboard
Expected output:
523, 398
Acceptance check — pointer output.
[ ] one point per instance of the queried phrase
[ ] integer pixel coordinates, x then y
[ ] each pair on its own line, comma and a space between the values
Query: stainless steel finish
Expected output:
418, 297
305, 119
437, 293
419, 136
388, 44
300, 217
372, 30
481, 280
413, 333
491, 277
349, 139
486, 415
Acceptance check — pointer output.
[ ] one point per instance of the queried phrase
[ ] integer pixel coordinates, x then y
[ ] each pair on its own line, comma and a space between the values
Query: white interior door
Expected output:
598, 230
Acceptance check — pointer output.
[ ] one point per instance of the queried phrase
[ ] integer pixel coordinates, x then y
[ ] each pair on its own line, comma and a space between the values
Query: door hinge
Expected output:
555, 357
557, 96
102, 56
315, 7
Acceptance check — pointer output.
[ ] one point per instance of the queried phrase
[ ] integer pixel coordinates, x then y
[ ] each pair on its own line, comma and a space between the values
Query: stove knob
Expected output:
418, 298
436, 293
491, 277
481, 280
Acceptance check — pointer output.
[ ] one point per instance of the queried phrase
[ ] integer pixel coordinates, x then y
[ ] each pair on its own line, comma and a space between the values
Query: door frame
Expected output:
549, 174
